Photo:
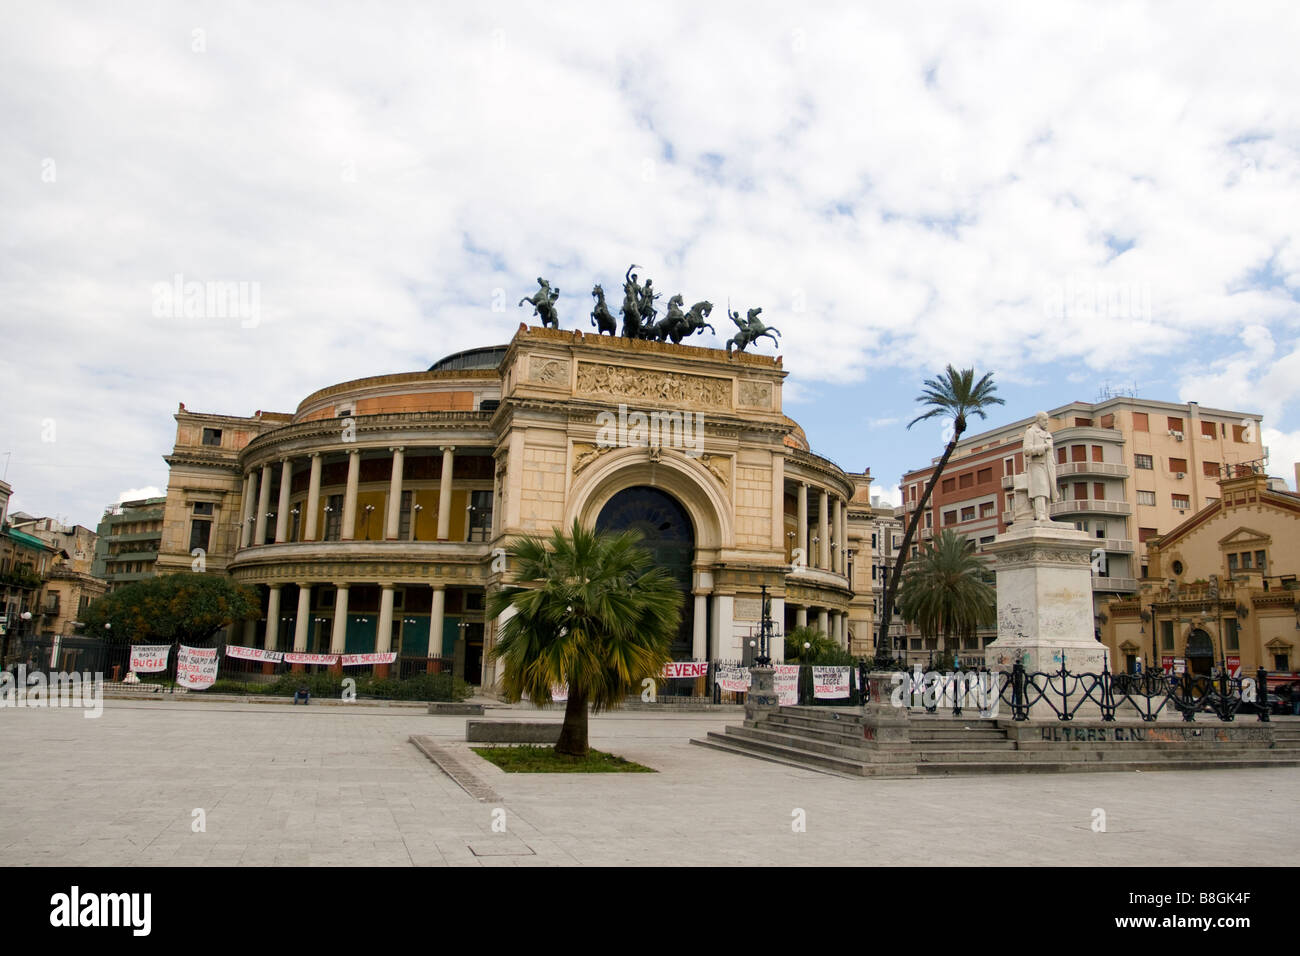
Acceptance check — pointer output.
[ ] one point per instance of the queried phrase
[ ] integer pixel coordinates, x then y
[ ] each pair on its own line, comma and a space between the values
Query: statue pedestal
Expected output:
762, 697
1045, 614
884, 724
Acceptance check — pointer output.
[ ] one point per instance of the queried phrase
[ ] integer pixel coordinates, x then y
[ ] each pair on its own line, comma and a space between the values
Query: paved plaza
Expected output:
322, 785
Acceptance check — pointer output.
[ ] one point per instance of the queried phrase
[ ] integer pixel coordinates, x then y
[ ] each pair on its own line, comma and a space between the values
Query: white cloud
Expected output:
135, 494
893, 496
893, 189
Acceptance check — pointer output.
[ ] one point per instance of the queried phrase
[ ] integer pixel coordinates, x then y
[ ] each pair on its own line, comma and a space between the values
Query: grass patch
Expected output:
530, 759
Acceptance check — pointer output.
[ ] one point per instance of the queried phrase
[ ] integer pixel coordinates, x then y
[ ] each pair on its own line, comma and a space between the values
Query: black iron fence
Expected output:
408, 678
1068, 695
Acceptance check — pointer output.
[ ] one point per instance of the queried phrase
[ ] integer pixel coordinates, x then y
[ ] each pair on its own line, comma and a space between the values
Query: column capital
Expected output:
354, 451
275, 587
341, 587
446, 448
401, 448
303, 584
313, 454
438, 587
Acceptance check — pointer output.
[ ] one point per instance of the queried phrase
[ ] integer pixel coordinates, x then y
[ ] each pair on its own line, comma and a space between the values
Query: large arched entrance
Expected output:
668, 534
1200, 652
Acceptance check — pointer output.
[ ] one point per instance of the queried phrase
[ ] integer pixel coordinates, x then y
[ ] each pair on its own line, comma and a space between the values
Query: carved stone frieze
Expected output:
653, 385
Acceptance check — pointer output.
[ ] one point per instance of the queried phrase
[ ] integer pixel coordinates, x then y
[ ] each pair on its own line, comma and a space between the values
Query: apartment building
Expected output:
1127, 470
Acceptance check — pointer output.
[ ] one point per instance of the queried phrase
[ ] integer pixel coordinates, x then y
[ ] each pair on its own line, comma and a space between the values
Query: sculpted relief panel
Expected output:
756, 394
652, 385
545, 371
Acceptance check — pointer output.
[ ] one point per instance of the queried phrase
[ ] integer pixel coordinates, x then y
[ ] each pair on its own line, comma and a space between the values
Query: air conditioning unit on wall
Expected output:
1181, 474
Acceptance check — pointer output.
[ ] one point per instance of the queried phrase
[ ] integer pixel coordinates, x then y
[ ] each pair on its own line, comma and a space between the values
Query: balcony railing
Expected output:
1089, 506
1100, 583
1116, 544
1104, 468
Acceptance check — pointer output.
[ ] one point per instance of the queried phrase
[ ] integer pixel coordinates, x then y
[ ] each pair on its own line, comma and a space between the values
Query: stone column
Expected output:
724, 606
700, 634
250, 502
394, 495
823, 531
837, 563
350, 496
801, 616
263, 505
339, 636
282, 509
823, 622
435, 622
272, 617
801, 539
843, 539
444, 492
384, 634
303, 625
313, 498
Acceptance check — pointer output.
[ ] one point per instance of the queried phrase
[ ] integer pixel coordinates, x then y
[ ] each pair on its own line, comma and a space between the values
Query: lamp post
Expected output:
415, 521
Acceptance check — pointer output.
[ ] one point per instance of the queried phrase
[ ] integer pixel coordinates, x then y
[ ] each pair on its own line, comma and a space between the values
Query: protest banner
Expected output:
830, 683
196, 667
149, 658
681, 670
785, 681
253, 654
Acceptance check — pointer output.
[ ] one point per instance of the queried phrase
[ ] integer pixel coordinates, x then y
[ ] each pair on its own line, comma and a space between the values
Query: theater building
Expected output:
372, 517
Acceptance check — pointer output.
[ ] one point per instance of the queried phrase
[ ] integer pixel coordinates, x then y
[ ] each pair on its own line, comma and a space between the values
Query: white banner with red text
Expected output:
196, 667
785, 681
253, 654
830, 683
357, 660
149, 658
682, 670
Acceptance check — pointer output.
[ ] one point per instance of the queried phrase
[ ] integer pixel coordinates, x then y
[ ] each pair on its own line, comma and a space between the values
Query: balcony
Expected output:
1127, 585
1123, 545
926, 534
1008, 482
1085, 506
1102, 468
1087, 433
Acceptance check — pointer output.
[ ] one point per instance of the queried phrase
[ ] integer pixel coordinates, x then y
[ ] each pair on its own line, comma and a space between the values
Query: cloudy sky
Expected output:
1073, 196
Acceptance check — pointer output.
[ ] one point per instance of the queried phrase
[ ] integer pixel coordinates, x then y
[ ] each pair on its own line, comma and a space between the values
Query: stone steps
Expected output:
789, 756
836, 742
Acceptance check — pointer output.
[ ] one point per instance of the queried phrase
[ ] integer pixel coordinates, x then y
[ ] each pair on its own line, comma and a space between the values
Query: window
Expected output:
200, 532
1100, 529
1099, 490
480, 516
873, 542
1140, 422
1008, 466
1178, 465
1060, 456
1207, 430
1230, 633
1260, 562
1238, 433
950, 517
968, 514
1096, 453
1281, 662
212, 436
1078, 453
986, 509
1210, 469
985, 475
1080, 490
1175, 424
404, 516
1181, 502
1107, 421
1167, 635
949, 484
1233, 562
987, 540
1143, 461
1246, 562
966, 480
1145, 533
1083, 422
333, 517
1146, 497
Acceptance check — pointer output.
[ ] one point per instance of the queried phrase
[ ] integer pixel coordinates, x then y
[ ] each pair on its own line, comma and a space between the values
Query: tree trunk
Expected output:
573, 735
883, 649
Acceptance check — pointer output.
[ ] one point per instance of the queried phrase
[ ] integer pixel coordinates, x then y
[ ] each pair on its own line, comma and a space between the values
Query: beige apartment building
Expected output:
1127, 469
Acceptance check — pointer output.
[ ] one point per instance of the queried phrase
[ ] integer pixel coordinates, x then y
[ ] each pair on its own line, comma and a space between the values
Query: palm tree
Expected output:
589, 610
959, 395
944, 592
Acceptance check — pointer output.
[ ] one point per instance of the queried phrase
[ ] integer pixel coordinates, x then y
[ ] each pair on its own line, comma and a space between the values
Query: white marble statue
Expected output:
1040, 467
